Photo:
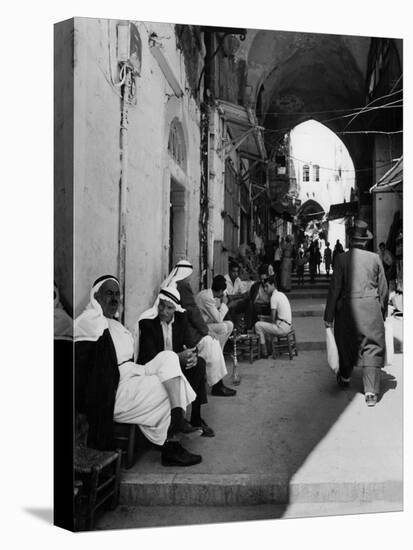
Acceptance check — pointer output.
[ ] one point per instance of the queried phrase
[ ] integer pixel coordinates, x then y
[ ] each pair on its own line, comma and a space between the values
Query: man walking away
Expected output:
356, 304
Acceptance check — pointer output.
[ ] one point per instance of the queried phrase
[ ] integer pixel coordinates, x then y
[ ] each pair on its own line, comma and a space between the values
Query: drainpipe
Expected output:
123, 186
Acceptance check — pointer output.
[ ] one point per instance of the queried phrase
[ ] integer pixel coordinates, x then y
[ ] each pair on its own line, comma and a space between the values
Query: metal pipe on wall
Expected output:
123, 187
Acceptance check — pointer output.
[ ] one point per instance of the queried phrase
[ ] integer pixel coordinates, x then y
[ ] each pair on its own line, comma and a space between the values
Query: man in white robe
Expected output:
110, 386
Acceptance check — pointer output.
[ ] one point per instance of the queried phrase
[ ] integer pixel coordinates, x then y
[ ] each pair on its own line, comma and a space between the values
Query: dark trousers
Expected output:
197, 378
236, 310
359, 334
371, 379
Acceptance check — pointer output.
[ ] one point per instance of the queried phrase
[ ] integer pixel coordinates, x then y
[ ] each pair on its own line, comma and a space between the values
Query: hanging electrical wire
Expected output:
339, 110
371, 132
374, 101
387, 105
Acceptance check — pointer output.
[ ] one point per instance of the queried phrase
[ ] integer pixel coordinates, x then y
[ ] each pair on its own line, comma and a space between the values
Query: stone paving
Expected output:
289, 444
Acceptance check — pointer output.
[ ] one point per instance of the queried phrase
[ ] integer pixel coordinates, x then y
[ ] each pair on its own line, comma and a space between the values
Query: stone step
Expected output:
315, 294
311, 346
242, 489
310, 288
316, 312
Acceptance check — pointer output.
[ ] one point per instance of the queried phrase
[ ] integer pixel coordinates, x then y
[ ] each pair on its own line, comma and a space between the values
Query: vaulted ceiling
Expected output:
300, 76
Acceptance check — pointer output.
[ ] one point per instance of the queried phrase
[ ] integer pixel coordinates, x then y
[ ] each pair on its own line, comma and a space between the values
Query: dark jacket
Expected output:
151, 337
96, 382
198, 327
151, 343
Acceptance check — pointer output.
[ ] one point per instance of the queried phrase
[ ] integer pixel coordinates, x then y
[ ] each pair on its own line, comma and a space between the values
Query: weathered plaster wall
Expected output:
97, 163
63, 160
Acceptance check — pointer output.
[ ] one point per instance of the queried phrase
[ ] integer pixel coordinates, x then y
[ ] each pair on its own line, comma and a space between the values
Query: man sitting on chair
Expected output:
165, 327
259, 301
208, 347
238, 300
212, 303
110, 386
280, 323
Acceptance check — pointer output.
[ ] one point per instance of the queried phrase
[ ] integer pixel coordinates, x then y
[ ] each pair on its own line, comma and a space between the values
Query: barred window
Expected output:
316, 172
306, 172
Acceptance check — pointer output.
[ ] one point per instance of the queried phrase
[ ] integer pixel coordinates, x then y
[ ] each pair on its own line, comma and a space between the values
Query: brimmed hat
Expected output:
359, 232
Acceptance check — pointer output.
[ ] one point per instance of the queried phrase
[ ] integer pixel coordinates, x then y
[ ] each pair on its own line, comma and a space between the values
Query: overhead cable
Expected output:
374, 101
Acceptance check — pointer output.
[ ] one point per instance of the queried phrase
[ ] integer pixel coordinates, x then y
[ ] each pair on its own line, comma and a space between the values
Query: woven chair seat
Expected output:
86, 459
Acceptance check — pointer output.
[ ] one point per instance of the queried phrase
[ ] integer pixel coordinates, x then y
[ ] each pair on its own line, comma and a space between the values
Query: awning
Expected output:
285, 213
343, 210
391, 181
243, 127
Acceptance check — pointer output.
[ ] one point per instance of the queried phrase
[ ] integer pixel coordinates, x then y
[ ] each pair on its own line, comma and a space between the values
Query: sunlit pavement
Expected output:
289, 444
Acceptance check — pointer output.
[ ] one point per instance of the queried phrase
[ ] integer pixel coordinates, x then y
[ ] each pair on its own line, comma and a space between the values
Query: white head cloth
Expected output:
182, 270
91, 323
168, 294
63, 323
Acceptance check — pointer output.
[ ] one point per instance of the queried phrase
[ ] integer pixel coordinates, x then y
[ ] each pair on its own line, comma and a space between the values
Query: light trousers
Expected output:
221, 331
267, 330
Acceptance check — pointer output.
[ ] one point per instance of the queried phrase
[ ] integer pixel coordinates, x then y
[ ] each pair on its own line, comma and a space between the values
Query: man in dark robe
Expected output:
356, 305
110, 385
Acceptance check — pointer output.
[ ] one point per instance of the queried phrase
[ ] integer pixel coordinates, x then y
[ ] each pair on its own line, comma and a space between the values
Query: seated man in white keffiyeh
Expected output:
209, 347
110, 386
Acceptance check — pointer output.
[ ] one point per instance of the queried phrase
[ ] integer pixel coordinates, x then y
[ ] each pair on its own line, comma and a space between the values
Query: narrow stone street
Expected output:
289, 444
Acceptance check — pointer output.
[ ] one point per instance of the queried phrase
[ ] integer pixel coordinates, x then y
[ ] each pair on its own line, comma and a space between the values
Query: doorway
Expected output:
177, 224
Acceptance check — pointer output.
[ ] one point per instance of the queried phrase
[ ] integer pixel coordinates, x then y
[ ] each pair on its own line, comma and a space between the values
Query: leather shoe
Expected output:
173, 454
341, 382
223, 391
207, 431
187, 428
371, 399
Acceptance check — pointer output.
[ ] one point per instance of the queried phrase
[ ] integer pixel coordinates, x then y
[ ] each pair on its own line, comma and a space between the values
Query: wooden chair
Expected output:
99, 474
285, 344
249, 345
125, 440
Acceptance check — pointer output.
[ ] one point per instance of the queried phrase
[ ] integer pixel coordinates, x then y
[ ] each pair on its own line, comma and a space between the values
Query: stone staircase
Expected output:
307, 304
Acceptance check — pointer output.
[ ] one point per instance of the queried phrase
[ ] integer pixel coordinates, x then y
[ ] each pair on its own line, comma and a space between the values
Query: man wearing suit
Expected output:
166, 328
356, 304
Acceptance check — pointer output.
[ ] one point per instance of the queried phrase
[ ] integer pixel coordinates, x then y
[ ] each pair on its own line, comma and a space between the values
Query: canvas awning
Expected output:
343, 210
245, 132
285, 213
392, 180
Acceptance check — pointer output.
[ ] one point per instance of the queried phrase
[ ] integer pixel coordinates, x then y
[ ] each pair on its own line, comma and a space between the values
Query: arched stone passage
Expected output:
296, 77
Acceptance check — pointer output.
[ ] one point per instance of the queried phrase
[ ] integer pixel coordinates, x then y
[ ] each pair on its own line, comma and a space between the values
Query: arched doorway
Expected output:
325, 177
